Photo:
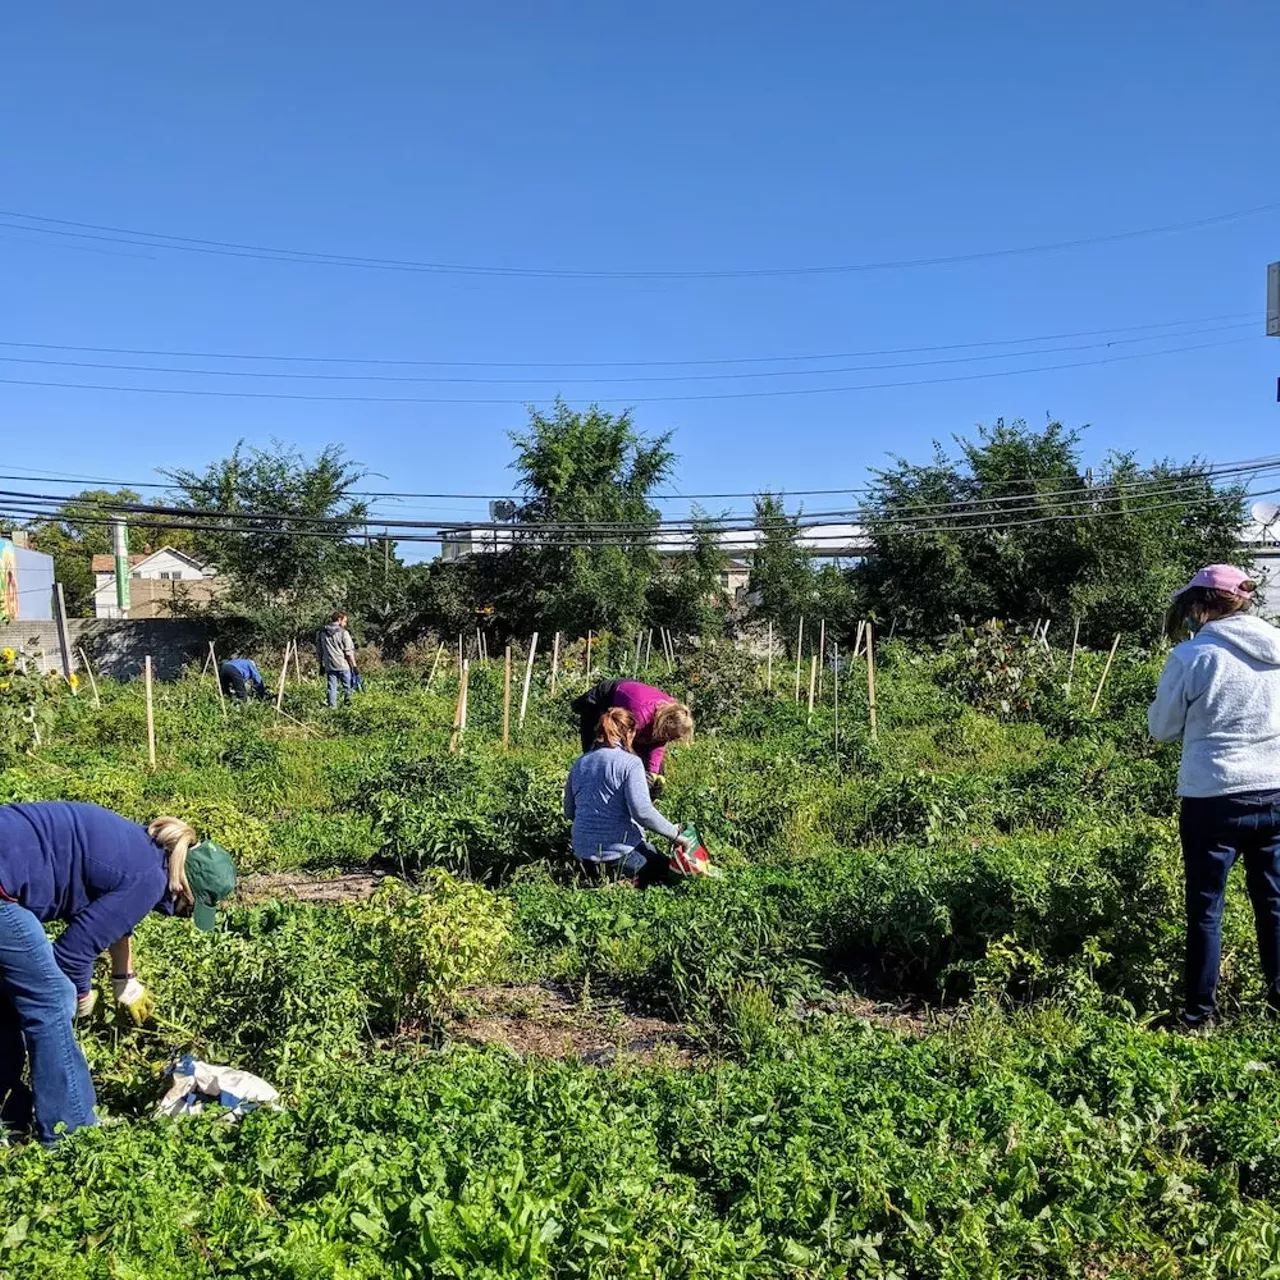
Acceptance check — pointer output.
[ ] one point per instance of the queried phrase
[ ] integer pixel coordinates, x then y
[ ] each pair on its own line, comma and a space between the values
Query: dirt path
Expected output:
298, 886
547, 1020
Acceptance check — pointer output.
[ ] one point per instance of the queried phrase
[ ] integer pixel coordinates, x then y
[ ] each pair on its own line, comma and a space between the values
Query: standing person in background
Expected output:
660, 721
1220, 693
608, 803
337, 653
241, 679
99, 874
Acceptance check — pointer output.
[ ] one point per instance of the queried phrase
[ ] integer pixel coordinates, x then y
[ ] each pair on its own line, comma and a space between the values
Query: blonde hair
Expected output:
175, 837
617, 728
672, 722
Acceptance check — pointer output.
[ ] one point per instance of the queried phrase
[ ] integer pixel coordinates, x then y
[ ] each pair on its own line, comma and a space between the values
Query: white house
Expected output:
153, 579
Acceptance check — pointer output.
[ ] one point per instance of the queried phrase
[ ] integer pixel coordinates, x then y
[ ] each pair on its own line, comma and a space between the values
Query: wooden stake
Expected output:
588, 657
871, 680
151, 713
768, 678
555, 662
822, 654
857, 639
1071, 669
799, 650
506, 699
461, 656
93, 684
460, 711
528, 675
284, 674
1106, 671
648, 651
466, 693
639, 643
217, 679
813, 683
435, 664
297, 664
835, 690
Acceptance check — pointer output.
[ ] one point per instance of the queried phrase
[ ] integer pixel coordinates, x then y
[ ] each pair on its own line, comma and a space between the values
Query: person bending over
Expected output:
660, 719
608, 802
241, 680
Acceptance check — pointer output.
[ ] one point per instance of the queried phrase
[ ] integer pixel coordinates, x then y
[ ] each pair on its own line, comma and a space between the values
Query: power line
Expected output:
664, 377
622, 364
628, 400
74, 230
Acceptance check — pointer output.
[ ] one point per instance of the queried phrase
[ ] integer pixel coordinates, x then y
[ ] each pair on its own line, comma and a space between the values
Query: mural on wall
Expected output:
9, 577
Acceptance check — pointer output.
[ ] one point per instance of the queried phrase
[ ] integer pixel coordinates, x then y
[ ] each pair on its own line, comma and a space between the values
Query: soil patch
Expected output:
549, 1020
298, 887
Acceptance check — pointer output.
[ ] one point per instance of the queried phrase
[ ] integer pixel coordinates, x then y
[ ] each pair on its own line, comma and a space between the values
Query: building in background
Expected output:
157, 580
1262, 543
27, 578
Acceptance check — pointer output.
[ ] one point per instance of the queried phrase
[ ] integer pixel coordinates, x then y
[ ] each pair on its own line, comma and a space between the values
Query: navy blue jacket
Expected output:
88, 866
248, 671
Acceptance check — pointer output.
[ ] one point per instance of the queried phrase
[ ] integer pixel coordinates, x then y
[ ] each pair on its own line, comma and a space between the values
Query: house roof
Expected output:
107, 564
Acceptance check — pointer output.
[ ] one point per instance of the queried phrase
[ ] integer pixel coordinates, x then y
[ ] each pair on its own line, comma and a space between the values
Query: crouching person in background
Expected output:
607, 799
100, 874
241, 680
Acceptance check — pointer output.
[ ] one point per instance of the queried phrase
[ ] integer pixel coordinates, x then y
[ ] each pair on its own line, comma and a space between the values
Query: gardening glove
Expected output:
85, 1003
657, 785
133, 998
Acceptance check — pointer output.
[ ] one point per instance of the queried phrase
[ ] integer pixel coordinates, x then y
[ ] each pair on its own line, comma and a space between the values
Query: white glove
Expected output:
85, 1003
133, 998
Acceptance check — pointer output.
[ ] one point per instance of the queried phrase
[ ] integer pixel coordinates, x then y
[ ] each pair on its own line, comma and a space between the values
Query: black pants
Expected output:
653, 868
590, 707
1215, 833
234, 685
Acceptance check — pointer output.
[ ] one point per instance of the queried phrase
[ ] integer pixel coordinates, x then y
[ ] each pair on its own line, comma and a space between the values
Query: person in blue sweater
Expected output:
241, 680
607, 799
99, 874
1220, 694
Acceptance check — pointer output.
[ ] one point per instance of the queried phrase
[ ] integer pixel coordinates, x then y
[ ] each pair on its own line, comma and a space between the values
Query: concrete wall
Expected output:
116, 647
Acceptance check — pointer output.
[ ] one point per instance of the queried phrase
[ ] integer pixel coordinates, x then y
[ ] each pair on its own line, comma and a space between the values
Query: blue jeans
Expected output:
1215, 833
37, 1009
338, 679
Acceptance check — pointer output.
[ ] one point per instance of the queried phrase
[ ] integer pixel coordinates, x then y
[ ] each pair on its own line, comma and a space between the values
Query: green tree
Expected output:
782, 577
586, 478
688, 596
282, 530
81, 528
1013, 527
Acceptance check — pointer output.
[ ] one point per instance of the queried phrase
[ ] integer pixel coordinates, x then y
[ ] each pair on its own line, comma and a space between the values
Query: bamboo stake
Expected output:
93, 684
799, 650
639, 643
460, 711
479, 646
461, 655
435, 664
768, 679
648, 651
1071, 669
1106, 671
588, 657
822, 654
284, 673
813, 683
466, 693
871, 681
835, 689
528, 675
297, 664
555, 662
217, 679
506, 699
857, 639
151, 714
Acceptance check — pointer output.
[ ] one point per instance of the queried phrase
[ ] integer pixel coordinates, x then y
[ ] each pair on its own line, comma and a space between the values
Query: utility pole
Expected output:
120, 547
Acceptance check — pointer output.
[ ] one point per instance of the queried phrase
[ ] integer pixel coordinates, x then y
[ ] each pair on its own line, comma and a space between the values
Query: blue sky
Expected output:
657, 138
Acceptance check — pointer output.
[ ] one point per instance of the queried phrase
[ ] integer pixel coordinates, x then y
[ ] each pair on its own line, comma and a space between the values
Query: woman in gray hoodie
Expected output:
1220, 693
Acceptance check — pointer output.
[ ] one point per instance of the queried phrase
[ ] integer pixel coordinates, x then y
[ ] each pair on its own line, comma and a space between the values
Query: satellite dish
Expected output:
1265, 513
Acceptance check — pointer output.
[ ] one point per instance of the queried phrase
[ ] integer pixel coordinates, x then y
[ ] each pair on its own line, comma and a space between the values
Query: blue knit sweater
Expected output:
88, 866
608, 799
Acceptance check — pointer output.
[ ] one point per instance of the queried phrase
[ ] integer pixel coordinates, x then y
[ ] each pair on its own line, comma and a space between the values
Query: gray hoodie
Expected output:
1220, 693
334, 648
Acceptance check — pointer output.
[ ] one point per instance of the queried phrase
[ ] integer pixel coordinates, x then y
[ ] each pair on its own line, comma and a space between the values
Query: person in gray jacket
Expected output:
337, 653
1220, 693
607, 799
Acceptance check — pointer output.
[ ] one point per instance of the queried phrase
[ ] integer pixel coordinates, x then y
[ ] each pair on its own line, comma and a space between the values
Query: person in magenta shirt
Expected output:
661, 720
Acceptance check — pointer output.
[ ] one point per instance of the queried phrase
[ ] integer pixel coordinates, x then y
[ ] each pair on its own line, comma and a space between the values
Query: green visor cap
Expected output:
212, 877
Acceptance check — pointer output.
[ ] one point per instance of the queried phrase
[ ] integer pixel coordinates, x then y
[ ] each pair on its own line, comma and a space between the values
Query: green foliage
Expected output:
781, 570
290, 571
996, 671
1005, 529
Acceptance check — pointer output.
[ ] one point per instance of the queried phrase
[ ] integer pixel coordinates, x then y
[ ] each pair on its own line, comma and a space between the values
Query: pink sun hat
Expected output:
1222, 577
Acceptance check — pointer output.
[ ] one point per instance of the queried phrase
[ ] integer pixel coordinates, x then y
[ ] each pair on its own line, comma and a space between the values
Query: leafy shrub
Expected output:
995, 670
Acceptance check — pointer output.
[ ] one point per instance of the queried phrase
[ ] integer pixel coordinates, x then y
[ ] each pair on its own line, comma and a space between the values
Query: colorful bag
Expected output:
692, 859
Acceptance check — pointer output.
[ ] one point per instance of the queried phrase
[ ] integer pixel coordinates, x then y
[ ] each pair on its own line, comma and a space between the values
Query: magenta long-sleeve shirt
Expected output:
642, 700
